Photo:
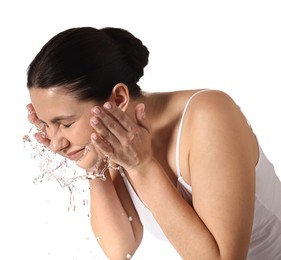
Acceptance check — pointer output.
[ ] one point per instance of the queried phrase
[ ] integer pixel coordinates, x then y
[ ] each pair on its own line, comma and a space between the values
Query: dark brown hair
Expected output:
89, 62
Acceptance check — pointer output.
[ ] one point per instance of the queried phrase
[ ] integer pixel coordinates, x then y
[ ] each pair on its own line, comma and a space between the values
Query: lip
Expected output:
75, 155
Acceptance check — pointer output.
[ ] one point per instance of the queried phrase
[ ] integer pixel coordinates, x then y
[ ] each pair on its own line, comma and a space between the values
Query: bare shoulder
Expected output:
202, 98
214, 115
211, 112
212, 100
218, 109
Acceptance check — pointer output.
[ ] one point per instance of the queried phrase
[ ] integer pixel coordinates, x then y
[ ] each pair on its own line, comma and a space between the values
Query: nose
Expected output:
58, 141
58, 144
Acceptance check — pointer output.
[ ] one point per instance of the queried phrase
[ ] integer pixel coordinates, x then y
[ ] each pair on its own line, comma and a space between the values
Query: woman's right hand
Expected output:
41, 135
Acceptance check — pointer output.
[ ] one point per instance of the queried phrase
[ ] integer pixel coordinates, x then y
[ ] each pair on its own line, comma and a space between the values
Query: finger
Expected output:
104, 121
32, 116
33, 119
41, 135
141, 117
101, 145
132, 128
42, 139
124, 120
30, 110
29, 107
103, 131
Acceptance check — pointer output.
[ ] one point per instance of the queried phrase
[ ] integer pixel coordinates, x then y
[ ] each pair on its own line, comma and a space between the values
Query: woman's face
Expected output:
67, 124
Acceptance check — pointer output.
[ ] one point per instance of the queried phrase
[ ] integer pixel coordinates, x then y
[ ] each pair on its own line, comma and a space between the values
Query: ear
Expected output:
120, 96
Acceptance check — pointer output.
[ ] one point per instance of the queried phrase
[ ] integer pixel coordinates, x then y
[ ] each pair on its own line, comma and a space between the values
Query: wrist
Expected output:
147, 167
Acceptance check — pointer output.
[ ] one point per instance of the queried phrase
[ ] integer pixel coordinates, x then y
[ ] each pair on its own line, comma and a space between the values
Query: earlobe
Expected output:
120, 96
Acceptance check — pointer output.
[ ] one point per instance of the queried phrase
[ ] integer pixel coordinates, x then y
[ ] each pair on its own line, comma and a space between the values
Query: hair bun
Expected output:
135, 53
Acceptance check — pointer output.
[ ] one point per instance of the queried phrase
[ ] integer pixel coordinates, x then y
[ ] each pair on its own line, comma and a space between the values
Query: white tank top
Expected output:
265, 241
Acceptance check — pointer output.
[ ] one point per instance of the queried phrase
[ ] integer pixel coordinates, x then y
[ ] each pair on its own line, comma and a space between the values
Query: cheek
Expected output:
81, 134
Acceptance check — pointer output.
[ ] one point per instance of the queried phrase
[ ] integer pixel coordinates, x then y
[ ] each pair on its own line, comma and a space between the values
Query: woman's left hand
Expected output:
40, 135
117, 136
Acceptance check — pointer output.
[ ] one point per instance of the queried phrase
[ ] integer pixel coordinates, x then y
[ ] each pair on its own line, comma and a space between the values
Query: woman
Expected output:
186, 165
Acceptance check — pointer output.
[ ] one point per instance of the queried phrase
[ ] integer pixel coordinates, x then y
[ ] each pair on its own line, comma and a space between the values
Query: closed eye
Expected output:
66, 125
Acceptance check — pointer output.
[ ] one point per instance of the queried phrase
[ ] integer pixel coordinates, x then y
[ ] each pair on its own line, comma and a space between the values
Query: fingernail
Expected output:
43, 134
31, 111
94, 136
107, 105
40, 127
96, 110
94, 121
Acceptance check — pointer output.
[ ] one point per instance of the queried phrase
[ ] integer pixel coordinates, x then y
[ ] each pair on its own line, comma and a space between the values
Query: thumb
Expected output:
141, 117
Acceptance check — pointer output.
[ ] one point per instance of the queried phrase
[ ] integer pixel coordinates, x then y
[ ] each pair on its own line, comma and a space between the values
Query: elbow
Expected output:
123, 249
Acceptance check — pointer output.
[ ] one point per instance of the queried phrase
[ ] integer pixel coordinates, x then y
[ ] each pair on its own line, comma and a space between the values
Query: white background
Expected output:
234, 46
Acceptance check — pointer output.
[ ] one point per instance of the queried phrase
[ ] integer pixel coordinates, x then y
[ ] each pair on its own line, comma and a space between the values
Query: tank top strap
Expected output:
179, 131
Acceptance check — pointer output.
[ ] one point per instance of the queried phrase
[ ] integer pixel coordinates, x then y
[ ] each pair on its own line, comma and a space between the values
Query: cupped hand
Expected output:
125, 141
40, 136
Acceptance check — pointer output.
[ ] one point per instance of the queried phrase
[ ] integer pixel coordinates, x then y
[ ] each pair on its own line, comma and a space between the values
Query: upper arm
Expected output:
222, 161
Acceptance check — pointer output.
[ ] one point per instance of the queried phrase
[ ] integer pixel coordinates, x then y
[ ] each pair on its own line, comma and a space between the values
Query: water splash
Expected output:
53, 166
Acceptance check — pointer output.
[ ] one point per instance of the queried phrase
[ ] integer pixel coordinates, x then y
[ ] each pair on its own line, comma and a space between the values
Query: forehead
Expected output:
51, 102
42, 98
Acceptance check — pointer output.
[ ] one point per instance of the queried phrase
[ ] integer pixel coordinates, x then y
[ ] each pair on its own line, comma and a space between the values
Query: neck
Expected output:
155, 108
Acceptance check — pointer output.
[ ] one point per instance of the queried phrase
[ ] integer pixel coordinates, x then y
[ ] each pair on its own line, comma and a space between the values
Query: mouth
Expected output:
75, 155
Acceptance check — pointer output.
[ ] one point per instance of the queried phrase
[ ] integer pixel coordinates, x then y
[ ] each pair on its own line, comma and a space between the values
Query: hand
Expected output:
116, 135
41, 135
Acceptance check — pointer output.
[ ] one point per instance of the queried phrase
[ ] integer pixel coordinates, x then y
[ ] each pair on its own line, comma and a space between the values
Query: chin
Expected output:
86, 163
88, 160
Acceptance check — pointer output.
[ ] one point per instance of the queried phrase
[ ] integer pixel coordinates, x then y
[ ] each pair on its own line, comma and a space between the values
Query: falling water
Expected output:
53, 166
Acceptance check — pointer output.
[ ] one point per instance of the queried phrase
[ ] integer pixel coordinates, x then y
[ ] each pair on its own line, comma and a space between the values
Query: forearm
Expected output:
116, 230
